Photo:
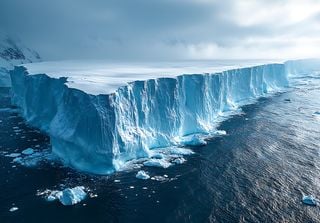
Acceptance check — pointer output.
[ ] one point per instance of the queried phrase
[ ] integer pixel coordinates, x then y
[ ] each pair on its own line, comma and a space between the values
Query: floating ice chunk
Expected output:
71, 196
309, 200
157, 163
317, 113
179, 151
35, 158
179, 160
142, 175
193, 140
13, 209
28, 151
68, 196
17, 159
54, 195
13, 155
158, 178
220, 132
157, 156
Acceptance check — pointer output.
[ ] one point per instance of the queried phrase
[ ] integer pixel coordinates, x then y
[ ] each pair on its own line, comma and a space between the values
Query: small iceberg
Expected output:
13, 209
13, 155
68, 196
193, 140
28, 151
142, 175
157, 163
179, 160
309, 200
220, 132
71, 196
159, 178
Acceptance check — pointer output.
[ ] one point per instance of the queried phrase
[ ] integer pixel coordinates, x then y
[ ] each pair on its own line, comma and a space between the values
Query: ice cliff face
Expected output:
99, 134
12, 53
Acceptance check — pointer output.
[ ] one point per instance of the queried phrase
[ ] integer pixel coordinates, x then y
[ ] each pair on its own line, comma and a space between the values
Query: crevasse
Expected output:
100, 133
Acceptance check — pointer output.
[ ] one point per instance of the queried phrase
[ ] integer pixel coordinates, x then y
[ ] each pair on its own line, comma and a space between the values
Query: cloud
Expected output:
167, 29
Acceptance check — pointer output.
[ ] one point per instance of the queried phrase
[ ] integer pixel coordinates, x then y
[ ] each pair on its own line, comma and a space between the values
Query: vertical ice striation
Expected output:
100, 133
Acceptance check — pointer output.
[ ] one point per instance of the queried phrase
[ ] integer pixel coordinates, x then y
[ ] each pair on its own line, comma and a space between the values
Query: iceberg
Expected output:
142, 175
13, 209
97, 123
192, 140
309, 200
28, 151
163, 163
71, 196
68, 196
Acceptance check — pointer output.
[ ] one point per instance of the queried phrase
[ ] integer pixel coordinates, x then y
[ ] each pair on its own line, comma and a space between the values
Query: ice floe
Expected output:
13, 155
142, 175
28, 151
68, 196
13, 209
157, 163
179, 160
309, 200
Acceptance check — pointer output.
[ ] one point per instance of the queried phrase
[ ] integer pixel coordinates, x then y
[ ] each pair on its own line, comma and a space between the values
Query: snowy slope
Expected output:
13, 52
101, 133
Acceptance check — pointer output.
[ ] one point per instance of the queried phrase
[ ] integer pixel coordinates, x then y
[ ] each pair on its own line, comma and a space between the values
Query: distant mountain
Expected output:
13, 52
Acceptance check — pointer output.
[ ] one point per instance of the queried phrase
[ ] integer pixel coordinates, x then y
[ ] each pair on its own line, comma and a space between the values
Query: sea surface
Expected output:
258, 172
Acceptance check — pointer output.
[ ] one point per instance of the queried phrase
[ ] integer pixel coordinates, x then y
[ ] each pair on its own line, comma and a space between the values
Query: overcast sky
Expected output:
165, 29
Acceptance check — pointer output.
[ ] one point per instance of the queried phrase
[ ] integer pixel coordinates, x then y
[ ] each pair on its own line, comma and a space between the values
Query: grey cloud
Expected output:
141, 29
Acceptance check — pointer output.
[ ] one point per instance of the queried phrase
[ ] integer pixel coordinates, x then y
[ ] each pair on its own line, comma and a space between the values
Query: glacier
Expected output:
13, 52
99, 133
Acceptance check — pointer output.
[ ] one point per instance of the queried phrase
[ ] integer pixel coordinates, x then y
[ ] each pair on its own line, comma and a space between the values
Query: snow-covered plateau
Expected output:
101, 116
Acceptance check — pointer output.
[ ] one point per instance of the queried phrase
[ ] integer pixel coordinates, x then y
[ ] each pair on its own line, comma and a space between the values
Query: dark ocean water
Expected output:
258, 172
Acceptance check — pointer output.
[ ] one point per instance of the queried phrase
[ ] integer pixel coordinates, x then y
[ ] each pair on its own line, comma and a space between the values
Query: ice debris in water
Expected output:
28, 151
13, 155
32, 158
68, 196
13, 209
220, 132
142, 175
157, 163
179, 160
179, 151
159, 178
71, 196
192, 140
309, 200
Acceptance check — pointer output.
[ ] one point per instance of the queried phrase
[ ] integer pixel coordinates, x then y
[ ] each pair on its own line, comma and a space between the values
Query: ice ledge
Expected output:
100, 133
101, 77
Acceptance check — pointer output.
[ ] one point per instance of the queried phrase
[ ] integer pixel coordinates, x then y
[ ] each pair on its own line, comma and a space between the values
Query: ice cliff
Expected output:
100, 133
